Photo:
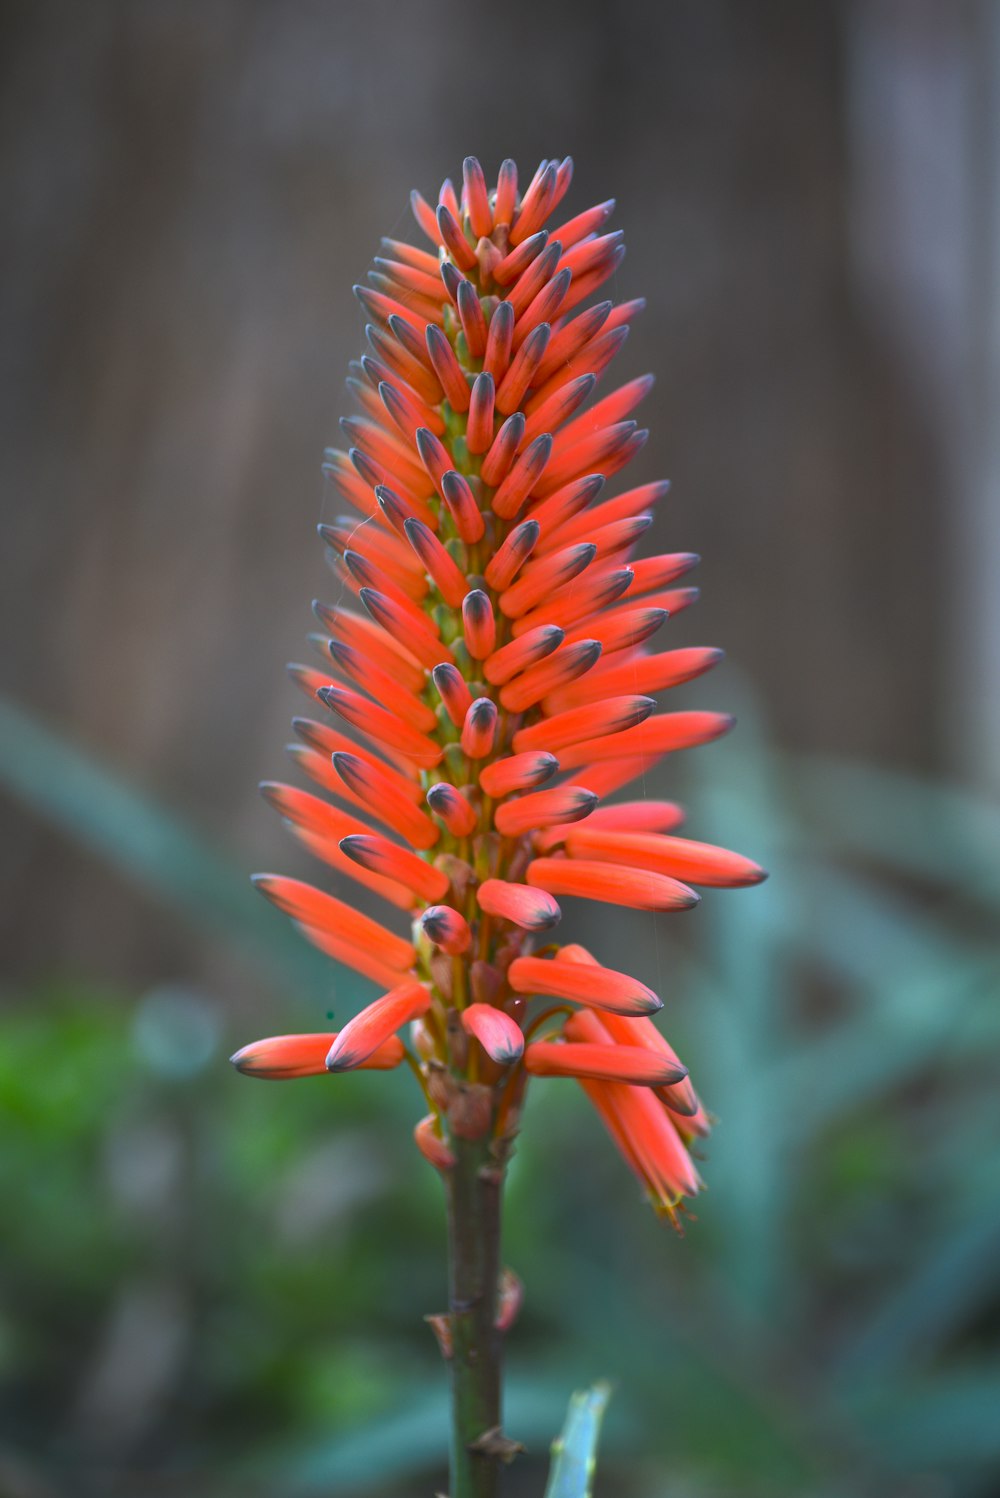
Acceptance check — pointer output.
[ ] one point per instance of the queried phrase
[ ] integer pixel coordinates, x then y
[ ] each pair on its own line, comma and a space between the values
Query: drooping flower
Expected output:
494, 683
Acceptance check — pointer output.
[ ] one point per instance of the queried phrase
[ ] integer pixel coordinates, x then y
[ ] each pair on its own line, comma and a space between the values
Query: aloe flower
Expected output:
477, 711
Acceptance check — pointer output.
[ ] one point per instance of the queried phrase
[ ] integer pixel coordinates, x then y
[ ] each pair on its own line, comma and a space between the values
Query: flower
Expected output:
494, 683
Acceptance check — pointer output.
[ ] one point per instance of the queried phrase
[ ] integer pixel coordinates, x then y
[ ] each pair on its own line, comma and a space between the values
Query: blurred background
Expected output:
208, 1286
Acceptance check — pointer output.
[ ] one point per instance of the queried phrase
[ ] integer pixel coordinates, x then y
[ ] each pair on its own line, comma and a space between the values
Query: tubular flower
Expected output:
490, 682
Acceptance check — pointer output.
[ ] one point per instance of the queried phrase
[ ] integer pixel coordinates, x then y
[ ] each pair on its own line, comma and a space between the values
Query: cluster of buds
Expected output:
495, 687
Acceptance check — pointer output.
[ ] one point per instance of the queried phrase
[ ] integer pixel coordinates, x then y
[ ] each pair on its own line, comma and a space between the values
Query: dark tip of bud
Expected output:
483, 712
586, 549
452, 280
476, 605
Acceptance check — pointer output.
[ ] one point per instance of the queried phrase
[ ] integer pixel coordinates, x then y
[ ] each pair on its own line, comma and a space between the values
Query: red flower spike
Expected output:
542, 577
411, 254
476, 198
326, 740
531, 909
380, 725
588, 880
495, 560
559, 406
516, 263
383, 548
448, 370
363, 1034
478, 624
454, 810
583, 983
639, 816
479, 730
462, 506
505, 445
479, 432
613, 716
382, 307
434, 455
380, 856
405, 278
500, 1036
283, 1057
523, 477
608, 1063
375, 679
421, 640
454, 240
310, 907
453, 691
542, 310
433, 1148
512, 554
536, 205
506, 194
513, 386
585, 224
338, 468
650, 573
564, 666
452, 280
526, 287
473, 322
364, 635
424, 215
518, 772
569, 337
381, 789
566, 803
363, 572
447, 577
376, 475
563, 505
445, 927
499, 340
699, 863
449, 198
521, 653
661, 735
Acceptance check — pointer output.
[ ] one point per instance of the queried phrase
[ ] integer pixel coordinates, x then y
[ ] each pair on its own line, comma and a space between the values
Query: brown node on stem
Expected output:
470, 1112
440, 1324
493, 1442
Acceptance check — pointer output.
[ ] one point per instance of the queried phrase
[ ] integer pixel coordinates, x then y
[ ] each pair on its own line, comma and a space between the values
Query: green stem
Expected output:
474, 1187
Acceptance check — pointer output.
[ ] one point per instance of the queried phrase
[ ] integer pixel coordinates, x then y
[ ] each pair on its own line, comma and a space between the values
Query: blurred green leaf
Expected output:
412, 1438
939, 832
950, 1420
146, 842
952, 1276
574, 1451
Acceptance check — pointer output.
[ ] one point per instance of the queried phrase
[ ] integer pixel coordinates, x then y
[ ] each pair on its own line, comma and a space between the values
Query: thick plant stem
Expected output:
474, 1187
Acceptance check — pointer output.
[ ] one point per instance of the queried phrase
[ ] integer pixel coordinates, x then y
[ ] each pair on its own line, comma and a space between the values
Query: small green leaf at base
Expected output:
574, 1451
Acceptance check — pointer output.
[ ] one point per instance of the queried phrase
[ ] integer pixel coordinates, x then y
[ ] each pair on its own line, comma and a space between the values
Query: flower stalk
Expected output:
487, 693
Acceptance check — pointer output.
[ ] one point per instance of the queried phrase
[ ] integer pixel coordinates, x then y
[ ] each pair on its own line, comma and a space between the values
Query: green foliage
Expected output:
828, 1327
